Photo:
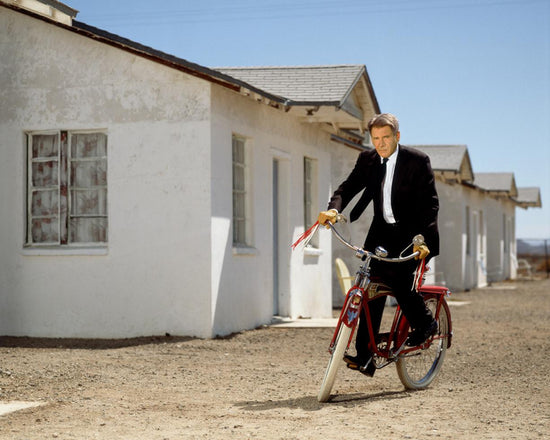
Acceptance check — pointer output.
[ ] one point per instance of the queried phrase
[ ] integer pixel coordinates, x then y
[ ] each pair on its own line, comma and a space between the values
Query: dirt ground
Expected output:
262, 384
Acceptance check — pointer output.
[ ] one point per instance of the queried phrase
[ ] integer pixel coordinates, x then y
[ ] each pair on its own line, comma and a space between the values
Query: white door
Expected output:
281, 235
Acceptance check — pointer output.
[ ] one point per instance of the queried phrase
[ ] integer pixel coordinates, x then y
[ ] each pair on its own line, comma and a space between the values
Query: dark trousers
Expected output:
399, 276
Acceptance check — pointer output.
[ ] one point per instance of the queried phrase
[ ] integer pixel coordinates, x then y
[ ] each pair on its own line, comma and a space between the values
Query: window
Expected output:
241, 194
67, 188
310, 197
468, 238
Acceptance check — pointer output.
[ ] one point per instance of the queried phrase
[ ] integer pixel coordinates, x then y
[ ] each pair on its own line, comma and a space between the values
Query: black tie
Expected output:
383, 172
382, 178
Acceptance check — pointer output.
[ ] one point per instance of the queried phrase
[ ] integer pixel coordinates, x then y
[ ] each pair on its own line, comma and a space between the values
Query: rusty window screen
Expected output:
240, 196
67, 188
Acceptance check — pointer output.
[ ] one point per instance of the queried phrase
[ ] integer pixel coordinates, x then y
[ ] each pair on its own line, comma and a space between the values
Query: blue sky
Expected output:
474, 72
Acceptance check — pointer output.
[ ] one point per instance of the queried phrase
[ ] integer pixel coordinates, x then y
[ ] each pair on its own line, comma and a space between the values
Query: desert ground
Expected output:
263, 383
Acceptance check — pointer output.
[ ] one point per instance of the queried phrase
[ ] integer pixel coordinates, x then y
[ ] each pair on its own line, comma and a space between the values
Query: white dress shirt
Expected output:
387, 187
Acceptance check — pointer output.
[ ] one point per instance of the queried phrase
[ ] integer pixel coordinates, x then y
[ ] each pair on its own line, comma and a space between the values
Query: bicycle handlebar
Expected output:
360, 252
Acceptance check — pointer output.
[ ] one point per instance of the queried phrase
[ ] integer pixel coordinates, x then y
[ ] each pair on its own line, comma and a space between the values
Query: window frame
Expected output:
243, 244
63, 185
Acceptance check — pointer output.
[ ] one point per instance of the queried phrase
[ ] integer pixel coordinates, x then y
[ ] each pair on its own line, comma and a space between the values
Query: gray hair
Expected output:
384, 120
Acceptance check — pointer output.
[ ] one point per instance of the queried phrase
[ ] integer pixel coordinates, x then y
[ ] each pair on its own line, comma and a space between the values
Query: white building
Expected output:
502, 199
139, 189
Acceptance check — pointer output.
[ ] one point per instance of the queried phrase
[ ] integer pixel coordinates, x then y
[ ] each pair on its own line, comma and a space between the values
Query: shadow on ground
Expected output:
91, 344
310, 403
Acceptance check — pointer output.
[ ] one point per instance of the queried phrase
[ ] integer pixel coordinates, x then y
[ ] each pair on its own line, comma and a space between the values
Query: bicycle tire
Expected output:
418, 369
334, 362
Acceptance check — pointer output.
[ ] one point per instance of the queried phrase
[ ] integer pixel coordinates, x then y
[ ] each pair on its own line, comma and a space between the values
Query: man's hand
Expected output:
423, 249
327, 216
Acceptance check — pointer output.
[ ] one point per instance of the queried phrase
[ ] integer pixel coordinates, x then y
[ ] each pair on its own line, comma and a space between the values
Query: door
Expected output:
281, 234
275, 217
475, 247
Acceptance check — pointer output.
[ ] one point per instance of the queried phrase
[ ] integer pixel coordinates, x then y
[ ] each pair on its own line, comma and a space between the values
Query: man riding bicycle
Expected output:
400, 182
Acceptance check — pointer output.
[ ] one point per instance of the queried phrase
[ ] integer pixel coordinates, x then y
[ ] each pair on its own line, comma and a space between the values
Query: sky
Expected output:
472, 72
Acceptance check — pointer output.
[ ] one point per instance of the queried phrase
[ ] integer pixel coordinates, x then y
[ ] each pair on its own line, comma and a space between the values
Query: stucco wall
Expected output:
154, 276
488, 259
243, 283
501, 241
451, 219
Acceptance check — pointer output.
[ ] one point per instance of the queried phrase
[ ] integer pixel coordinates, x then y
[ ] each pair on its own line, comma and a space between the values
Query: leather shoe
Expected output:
366, 367
420, 335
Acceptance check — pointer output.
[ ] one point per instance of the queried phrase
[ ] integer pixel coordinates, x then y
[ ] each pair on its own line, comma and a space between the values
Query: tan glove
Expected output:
327, 216
423, 249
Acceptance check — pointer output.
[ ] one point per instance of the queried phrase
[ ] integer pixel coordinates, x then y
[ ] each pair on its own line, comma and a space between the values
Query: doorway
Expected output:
275, 217
281, 235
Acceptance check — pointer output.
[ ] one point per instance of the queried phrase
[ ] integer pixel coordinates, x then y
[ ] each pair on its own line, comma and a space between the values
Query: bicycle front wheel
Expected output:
419, 368
340, 345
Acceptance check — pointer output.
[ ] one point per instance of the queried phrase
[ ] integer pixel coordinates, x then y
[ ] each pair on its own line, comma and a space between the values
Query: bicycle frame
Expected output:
364, 291
416, 366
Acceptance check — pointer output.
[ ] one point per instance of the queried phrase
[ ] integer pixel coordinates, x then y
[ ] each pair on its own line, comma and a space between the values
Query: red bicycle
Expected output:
416, 366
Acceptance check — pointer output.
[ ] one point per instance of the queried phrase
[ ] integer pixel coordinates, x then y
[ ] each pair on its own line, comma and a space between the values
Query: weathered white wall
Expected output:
154, 277
490, 259
243, 283
501, 240
453, 261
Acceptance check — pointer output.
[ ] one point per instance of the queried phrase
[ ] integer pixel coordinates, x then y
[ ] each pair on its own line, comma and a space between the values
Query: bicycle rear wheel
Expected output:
418, 369
340, 345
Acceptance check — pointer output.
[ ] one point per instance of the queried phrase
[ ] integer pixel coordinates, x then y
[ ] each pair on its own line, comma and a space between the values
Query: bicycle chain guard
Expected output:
377, 289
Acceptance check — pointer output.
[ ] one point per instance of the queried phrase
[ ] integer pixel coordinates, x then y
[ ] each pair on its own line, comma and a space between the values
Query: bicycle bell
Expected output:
418, 239
381, 252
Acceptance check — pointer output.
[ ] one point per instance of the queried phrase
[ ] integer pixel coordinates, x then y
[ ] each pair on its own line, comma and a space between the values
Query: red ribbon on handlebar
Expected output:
306, 235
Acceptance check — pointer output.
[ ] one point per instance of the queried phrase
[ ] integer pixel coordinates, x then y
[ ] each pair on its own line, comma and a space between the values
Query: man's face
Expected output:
384, 140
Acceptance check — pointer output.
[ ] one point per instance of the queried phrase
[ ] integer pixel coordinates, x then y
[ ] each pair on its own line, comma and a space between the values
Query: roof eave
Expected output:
172, 61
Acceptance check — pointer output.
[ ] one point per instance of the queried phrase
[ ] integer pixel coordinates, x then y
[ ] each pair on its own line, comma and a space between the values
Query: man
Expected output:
400, 183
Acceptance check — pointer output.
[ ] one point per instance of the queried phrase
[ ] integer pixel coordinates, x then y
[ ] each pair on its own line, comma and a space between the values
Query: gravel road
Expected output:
262, 384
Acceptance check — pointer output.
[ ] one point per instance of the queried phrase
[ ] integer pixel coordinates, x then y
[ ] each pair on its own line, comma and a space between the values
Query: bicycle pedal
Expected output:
353, 367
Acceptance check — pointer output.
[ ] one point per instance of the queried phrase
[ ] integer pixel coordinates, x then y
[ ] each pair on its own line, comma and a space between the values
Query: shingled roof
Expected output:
529, 197
497, 183
323, 90
451, 162
301, 84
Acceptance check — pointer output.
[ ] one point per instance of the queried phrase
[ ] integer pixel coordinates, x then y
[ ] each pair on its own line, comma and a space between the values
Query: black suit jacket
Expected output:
415, 203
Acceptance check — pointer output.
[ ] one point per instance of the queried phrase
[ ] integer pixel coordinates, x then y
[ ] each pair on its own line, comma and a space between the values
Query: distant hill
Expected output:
531, 247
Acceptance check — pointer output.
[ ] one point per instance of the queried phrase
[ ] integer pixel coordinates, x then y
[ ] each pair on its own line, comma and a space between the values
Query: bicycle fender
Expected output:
450, 323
